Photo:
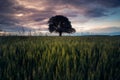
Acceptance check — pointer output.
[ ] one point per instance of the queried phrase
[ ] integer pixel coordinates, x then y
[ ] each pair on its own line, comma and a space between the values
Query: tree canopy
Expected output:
60, 24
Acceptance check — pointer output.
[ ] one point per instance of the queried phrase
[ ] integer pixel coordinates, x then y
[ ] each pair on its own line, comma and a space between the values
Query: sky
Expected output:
86, 16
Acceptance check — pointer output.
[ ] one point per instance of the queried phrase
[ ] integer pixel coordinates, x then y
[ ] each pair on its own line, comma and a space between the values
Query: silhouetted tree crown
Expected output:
60, 24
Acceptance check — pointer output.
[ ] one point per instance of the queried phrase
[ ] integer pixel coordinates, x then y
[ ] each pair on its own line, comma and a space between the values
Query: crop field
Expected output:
59, 58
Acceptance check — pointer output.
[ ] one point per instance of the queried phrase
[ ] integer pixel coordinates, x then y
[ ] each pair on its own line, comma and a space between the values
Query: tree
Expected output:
60, 24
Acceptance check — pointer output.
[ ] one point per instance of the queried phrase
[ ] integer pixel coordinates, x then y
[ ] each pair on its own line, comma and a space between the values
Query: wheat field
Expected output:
59, 58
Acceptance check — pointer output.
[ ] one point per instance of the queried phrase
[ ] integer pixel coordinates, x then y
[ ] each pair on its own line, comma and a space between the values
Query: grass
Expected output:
59, 58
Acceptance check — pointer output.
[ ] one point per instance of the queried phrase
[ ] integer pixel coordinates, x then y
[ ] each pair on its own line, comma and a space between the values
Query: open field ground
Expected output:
59, 58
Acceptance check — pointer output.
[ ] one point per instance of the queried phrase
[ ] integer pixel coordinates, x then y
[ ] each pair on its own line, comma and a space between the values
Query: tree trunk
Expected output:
60, 33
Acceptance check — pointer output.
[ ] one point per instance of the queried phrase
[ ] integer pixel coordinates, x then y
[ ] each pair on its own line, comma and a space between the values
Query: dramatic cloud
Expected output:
7, 6
6, 11
34, 14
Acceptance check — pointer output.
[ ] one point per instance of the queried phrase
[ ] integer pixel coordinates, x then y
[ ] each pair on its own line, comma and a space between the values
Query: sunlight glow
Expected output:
32, 4
19, 15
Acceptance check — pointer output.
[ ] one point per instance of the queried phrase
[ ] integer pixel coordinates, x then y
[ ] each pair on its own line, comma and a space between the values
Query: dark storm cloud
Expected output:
98, 12
8, 12
33, 15
94, 8
109, 3
7, 20
6, 6
41, 15
105, 3
7, 9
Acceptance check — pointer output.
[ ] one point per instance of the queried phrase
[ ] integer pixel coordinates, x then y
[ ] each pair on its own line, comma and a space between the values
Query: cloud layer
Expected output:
34, 14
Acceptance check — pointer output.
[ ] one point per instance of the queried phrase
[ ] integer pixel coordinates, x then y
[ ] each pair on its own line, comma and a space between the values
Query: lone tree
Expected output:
60, 24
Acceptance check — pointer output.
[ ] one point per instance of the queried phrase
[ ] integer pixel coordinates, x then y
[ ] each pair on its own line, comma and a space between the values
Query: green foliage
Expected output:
59, 58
